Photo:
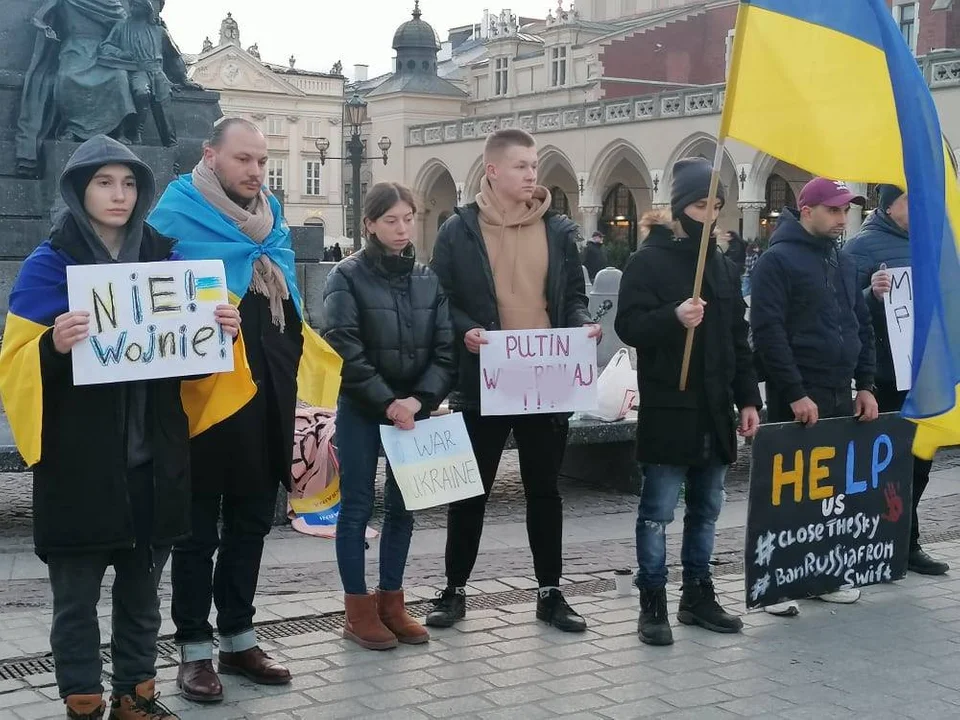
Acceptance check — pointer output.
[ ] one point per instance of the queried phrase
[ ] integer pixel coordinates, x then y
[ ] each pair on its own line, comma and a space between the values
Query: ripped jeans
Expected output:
658, 499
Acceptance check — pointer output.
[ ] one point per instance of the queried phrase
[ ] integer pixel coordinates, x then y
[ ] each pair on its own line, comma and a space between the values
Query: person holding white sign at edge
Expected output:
884, 242
685, 438
508, 262
386, 315
112, 471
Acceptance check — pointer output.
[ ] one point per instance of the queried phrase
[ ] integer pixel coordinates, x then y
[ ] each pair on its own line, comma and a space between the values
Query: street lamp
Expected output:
356, 116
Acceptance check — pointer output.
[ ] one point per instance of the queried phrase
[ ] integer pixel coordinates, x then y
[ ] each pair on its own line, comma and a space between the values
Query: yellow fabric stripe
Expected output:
318, 377
21, 384
213, 399
840, 117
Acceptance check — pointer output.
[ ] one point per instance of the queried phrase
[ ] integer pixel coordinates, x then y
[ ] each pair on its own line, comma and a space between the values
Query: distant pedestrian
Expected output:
735, 250
337, 253
594, 255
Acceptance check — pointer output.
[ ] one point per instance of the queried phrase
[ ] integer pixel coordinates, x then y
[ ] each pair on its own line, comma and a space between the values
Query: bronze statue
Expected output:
74, 87
136, 45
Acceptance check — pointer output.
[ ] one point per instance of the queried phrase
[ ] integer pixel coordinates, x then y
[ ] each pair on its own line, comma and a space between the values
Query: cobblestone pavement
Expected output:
895, 654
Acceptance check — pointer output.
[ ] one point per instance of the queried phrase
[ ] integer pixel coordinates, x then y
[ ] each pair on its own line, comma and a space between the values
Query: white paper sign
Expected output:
434, 463
538, 371
899, 309
149, 320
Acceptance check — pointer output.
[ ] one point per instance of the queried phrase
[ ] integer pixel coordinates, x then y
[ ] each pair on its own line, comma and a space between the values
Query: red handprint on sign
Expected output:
894, 503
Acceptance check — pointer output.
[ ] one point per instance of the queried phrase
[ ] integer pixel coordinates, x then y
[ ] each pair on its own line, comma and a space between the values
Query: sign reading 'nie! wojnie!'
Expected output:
829, 507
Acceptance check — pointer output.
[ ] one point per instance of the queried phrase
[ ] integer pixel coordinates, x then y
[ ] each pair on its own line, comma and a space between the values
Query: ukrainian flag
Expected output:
831, 87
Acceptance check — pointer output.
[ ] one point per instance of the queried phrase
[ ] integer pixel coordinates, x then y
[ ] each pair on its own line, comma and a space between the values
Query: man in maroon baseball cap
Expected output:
811, 326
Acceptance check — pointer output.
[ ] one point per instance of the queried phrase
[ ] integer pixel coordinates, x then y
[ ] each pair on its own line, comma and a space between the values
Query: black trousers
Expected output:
831, 403
232, 582
891, 400
541, 441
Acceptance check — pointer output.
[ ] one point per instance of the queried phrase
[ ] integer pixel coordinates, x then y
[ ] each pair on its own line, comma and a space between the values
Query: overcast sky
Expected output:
321, 32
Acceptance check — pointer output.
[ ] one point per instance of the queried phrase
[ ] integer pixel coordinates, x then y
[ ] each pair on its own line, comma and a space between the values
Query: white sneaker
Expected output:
791, 608
842, 597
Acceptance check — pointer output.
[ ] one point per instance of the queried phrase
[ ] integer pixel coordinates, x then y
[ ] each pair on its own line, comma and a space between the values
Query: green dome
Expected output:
416, 34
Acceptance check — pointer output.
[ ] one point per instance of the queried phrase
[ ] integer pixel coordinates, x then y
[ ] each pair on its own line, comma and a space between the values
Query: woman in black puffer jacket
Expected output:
387, 317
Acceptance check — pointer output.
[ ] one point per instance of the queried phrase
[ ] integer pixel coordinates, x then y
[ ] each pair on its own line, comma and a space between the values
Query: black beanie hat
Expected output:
691, 182
887, 195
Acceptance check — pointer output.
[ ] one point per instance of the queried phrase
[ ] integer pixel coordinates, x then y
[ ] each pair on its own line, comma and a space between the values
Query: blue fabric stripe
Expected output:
40, 291
936, 269
845, 16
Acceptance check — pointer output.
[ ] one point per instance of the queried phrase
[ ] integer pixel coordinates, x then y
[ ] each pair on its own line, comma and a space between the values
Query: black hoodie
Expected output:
811, 326
84, 494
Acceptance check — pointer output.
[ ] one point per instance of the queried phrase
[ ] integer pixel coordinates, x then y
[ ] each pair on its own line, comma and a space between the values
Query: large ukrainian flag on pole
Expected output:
831, 87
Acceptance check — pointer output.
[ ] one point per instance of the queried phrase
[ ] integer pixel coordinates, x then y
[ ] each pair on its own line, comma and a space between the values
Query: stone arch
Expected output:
471, 184
619, 171
701, 144
437, 192
556, 173
613, 160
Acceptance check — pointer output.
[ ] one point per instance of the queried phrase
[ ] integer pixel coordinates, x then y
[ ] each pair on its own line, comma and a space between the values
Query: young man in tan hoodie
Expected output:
508, 262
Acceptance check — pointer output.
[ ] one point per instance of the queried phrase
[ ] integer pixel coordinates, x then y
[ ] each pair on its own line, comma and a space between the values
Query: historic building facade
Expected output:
294, 108
615, 92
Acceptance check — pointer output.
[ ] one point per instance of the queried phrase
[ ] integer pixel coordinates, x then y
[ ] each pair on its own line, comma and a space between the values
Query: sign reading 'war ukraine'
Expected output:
434, 463
829, 507
538, 371
149, 320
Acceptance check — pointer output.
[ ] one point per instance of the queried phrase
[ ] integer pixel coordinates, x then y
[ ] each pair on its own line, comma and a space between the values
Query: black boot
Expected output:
654, 626
920, 562
699, 606
553, 609
449, 607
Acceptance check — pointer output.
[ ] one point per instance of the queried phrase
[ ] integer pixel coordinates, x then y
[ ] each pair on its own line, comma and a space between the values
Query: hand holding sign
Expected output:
880, 282
70, 329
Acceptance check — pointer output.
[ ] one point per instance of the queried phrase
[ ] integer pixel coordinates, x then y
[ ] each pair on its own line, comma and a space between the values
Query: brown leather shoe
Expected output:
144, 704
393, 612
198, 682
254, 664
363, 624
85, 707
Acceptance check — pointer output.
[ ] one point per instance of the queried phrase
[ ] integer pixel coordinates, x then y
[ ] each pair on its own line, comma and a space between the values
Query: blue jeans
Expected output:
358, 446
658, 500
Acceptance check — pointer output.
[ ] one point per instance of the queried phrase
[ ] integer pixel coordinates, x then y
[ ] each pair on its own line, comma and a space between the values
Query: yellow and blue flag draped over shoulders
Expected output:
203, 233
39, 296
831, 87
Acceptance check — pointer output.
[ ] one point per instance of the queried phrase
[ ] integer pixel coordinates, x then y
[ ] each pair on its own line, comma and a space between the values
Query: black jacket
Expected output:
880, 242
388, 318
811, 326
82, 500
697, 426
461, 261
594, 259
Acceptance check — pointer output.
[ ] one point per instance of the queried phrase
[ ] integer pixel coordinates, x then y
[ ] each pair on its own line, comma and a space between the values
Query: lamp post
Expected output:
356, 116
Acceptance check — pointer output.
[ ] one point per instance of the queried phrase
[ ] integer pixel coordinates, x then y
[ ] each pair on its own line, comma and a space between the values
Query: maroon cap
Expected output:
832, 193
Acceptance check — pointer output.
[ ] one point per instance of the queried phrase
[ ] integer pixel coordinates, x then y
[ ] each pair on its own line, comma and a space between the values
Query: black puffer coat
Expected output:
388, 318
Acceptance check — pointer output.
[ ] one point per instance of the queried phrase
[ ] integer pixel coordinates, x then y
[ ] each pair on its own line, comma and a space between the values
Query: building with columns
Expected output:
615, 91
293, 107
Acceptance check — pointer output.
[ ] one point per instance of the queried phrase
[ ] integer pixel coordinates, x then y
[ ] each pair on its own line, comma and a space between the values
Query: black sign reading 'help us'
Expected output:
829, 507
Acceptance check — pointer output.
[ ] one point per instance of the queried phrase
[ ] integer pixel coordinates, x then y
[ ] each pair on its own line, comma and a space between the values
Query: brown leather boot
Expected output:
393, 613
254, 664
85, 707
144, 704
364, 626
198, 681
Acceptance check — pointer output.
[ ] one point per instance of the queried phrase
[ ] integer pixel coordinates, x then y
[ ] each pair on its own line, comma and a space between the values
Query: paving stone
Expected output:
385, 701
575, 703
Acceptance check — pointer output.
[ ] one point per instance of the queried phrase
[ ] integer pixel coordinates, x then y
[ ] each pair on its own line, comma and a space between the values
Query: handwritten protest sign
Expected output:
538, 371
149, 320
433, 463
829, 507
899, 309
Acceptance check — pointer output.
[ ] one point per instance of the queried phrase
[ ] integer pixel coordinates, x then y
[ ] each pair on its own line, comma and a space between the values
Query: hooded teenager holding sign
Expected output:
118, 452
387, 317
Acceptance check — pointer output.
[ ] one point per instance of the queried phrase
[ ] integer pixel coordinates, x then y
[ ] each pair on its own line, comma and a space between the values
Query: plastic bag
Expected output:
616, 388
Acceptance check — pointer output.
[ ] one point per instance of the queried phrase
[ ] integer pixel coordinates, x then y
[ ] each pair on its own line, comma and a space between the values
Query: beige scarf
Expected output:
256, 222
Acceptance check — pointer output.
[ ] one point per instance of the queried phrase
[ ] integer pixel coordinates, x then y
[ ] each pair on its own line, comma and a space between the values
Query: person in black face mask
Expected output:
685, 438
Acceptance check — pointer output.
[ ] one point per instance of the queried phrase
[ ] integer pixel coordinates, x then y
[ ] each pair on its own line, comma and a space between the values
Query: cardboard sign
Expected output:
899, 310
829, 507
434, 463
149, 320
538, 371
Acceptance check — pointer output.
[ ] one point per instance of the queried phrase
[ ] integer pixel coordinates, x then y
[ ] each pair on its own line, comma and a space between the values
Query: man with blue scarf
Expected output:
222, 211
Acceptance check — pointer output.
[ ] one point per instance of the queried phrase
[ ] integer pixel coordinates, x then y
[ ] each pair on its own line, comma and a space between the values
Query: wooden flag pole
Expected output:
702, 258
